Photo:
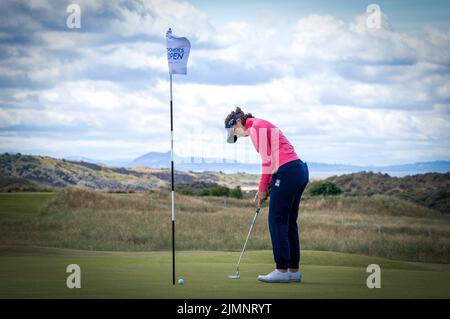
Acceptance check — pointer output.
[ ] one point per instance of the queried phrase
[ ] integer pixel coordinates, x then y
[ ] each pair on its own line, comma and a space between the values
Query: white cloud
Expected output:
340, 91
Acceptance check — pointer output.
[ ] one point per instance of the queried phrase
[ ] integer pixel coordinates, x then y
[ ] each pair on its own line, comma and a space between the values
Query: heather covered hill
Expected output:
27, 172
431, 190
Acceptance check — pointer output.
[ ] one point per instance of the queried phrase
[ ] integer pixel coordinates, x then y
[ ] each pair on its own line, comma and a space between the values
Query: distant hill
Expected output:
115, 162
153, 160
26, 172
317, 170
15, 184
393, 170
430, 189
29, 172
51, 172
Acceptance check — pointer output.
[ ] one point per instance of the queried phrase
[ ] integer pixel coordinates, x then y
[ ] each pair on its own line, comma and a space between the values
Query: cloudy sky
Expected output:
344, 85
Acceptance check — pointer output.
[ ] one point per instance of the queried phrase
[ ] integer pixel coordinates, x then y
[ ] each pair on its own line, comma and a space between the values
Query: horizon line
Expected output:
228, 161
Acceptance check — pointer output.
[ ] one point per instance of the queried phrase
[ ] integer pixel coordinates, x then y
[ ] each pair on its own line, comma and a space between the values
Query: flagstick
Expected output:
171, 160
177, 49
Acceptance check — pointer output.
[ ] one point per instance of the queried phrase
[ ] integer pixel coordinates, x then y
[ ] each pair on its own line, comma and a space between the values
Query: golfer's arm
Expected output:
264, 182
266, 166
266, 175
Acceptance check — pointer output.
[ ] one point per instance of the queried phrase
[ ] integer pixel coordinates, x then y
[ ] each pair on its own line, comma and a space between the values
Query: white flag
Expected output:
177, 53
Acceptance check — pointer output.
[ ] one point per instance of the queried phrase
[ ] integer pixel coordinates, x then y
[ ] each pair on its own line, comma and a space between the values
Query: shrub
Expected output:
204, 192
324, 188
236, 192
219, 191
442, 194
209, 189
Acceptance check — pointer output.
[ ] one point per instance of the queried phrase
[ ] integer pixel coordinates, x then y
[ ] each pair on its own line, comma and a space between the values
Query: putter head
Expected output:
234, 277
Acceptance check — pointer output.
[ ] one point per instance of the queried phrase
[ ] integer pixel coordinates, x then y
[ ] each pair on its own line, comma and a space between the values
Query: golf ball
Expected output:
180, 281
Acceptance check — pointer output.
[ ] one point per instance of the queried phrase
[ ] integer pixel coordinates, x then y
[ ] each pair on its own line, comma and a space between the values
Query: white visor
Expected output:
231, 138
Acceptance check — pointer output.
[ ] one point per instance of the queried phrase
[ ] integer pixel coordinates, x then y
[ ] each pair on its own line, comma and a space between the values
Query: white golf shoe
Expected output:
275, 276
295, 276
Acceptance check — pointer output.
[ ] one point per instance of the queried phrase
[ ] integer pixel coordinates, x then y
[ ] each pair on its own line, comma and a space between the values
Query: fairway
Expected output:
23, 204
40, 273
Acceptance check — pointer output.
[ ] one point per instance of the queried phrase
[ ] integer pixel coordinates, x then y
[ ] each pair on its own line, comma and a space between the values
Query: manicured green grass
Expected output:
22, 204
40, 273
140, 222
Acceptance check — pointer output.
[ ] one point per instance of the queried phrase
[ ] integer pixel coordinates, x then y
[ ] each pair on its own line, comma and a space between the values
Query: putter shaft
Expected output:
246, 240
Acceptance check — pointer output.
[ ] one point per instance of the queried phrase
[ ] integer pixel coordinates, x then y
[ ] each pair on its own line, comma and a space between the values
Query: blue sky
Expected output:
408, 15
340, 90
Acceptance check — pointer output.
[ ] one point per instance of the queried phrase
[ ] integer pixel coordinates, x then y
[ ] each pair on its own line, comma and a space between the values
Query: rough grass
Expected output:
377, 226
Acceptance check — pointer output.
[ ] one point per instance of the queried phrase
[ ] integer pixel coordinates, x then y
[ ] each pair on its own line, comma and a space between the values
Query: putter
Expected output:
237, 276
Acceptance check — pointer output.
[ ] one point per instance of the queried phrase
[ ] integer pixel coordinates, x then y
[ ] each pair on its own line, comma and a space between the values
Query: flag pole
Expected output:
177, 54
172, 182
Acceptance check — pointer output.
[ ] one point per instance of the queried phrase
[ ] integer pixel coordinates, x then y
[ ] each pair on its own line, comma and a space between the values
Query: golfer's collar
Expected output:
249, 122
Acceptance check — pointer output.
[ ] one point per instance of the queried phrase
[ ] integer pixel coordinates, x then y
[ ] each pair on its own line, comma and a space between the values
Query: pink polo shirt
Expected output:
272, 145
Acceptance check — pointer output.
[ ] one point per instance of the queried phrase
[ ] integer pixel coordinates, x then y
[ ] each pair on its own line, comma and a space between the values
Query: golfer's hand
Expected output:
260, 197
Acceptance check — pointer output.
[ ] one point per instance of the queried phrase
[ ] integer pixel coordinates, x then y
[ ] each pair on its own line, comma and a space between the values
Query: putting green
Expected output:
41, 273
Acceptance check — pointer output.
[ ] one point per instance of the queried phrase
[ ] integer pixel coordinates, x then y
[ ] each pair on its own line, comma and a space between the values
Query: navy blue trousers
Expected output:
286, 189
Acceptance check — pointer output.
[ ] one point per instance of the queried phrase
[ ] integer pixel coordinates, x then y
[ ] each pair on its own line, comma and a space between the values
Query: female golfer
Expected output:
285, 176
